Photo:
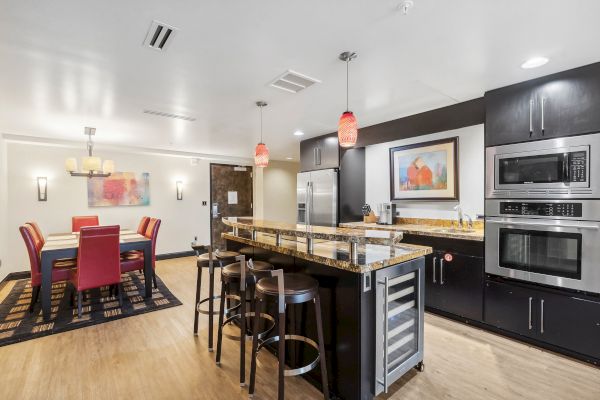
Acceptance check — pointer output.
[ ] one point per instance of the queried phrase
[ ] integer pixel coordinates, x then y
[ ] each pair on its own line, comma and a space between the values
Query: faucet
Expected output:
459, 215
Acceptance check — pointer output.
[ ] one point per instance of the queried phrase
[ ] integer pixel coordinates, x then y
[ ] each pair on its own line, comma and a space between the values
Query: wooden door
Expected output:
230, 196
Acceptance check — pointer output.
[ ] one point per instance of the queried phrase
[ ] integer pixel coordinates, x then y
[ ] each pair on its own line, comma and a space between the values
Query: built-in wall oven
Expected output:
555, 168
552, 242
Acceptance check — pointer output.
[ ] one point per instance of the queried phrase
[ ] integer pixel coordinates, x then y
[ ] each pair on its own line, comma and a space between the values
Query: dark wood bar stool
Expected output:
239, 274
210, 260
288, 289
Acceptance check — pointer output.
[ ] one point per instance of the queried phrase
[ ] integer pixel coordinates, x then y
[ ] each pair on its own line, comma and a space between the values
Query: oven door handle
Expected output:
575, 226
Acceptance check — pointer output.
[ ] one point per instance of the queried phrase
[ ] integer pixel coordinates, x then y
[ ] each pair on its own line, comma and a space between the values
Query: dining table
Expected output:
66, 245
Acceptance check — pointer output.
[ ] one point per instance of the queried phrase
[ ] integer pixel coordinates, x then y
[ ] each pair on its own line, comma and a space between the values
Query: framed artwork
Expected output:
425, 171
119, 189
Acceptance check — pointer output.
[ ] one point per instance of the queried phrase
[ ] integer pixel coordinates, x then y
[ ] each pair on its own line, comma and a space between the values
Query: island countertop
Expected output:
371, 255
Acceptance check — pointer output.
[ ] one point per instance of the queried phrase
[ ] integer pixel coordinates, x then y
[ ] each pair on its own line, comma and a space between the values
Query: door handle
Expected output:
530, 117
542, 316
441, 271
434, 261
543, 103
530, 324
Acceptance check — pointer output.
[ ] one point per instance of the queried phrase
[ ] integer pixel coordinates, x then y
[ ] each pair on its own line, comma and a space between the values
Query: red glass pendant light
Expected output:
347, 126
261, 153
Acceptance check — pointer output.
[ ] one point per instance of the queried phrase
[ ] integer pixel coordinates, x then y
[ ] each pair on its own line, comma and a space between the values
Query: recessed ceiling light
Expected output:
534, 62
298, 133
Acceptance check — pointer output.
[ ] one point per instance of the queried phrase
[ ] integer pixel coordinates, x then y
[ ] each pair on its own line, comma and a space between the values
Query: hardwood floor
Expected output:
156, 356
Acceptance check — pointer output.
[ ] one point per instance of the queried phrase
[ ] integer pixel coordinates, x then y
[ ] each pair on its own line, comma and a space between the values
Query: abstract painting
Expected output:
119, 189
425, 171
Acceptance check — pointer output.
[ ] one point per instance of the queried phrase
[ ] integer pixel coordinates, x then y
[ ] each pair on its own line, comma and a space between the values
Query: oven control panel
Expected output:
542, 209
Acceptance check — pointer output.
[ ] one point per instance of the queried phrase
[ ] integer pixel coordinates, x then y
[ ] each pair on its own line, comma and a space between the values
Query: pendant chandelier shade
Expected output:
261, 153
91, 166
347, 126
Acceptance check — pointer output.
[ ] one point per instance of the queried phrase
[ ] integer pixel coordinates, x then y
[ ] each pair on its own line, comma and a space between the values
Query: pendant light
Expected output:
261, 154
347, 127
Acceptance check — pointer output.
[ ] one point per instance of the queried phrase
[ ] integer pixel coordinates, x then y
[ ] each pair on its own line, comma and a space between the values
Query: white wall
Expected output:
3, 211
67, 196
471, 176
279, 191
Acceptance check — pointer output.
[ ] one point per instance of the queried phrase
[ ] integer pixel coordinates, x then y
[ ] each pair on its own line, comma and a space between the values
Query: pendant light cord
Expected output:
261, 124
347, 81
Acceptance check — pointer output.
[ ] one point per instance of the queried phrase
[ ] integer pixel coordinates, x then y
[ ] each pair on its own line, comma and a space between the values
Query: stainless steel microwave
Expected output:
554, 168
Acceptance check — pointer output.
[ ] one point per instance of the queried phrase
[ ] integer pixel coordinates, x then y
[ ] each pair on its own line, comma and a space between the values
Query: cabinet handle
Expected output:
318, 156
434, 261
542, 316
530, 117
315, 156
441, 271
543, 103
530, 301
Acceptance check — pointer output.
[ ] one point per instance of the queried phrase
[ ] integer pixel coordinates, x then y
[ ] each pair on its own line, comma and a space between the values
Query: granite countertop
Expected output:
476, 234
342, 234
336, 253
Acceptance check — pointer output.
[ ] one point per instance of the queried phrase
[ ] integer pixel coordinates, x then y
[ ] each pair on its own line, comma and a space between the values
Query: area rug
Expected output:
17, 324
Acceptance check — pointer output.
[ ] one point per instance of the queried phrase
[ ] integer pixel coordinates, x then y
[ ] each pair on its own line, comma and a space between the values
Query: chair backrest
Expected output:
143, 225
85, 220
98, 257
152, 234
32, 244
37, 230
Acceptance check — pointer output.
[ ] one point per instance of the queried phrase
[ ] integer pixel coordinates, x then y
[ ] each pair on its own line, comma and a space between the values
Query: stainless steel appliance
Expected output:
554, 168
552, 242
317, 197
387, 213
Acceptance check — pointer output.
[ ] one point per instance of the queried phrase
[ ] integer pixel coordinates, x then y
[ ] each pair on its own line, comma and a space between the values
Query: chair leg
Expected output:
211, 308
257, 310
281, 354
196, 312
79, 299
221, 316
35, 292
324, 381
119, 289
154, 280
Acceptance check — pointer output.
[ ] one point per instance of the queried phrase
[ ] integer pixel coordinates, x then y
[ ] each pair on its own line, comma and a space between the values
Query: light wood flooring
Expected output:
156, 356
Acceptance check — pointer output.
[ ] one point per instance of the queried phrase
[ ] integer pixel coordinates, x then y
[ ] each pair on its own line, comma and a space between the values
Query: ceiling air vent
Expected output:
169, 115
293, 82
159, 35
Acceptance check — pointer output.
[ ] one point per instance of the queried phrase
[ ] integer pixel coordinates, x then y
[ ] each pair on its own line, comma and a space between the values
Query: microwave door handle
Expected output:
530, 117
576, 226
566, 170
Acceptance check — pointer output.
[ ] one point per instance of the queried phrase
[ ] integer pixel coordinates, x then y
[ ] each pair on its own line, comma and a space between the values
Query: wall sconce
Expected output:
42, 186
179, 187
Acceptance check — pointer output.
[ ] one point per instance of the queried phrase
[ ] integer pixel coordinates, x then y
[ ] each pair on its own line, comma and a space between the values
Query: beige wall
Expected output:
275, 191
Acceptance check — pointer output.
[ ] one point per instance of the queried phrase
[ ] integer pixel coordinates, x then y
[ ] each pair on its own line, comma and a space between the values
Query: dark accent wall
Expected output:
352, 184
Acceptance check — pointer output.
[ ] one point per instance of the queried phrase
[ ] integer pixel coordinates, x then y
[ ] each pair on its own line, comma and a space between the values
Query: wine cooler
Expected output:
399, 322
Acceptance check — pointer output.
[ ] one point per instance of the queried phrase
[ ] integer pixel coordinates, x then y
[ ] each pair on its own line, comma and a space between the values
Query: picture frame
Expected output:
425, 171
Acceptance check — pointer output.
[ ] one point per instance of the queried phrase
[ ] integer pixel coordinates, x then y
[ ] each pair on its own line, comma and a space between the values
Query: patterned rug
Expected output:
17, 324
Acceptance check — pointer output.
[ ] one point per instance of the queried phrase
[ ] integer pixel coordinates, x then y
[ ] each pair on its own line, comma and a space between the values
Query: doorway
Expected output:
230, 196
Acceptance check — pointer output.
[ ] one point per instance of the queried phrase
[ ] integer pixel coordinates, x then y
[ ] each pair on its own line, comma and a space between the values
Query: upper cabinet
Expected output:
557, 105
319, 153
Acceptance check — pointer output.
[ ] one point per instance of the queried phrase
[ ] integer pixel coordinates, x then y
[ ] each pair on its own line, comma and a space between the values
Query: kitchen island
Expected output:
371, 288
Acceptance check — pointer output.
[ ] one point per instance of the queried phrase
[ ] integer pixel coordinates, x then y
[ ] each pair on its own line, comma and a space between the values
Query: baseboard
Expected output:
167, 256
16, 275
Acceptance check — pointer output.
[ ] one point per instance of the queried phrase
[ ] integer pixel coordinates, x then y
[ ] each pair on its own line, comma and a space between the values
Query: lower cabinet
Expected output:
454, 284
561, 320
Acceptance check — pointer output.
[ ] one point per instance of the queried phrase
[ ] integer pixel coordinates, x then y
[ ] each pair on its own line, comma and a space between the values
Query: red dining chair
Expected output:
60, 272
63, 262
141, 230
87, 220
143, 225
98, 261
136, 262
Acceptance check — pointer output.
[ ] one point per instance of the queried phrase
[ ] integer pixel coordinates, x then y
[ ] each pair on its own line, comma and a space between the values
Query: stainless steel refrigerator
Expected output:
317, 197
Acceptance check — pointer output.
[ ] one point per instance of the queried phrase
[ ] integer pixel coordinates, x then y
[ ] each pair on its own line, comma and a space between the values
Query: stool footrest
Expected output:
206, 312
304, 339
250, 314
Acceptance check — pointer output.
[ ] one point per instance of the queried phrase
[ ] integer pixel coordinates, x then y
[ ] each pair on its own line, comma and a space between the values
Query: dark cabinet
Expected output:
319, 153
561, 104
433, 295
559, 319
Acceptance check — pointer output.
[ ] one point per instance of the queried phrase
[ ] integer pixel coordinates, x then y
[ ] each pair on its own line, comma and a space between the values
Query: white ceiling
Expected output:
66, 64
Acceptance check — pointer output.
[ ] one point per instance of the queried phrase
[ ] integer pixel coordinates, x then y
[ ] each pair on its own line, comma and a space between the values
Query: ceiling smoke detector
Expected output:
169, 115
293, 82
159, 36
405, 6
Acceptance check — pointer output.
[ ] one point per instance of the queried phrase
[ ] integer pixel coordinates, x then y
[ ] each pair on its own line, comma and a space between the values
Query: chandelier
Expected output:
91, 166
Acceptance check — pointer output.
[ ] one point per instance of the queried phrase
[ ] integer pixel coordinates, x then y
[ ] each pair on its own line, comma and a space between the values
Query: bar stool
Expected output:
239, 273
287, 289
210, 260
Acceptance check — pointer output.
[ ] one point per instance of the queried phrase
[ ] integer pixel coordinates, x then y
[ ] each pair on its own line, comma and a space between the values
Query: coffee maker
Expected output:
387, 213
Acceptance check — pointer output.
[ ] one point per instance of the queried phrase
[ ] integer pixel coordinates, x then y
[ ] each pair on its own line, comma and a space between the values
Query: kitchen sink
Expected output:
454, 230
